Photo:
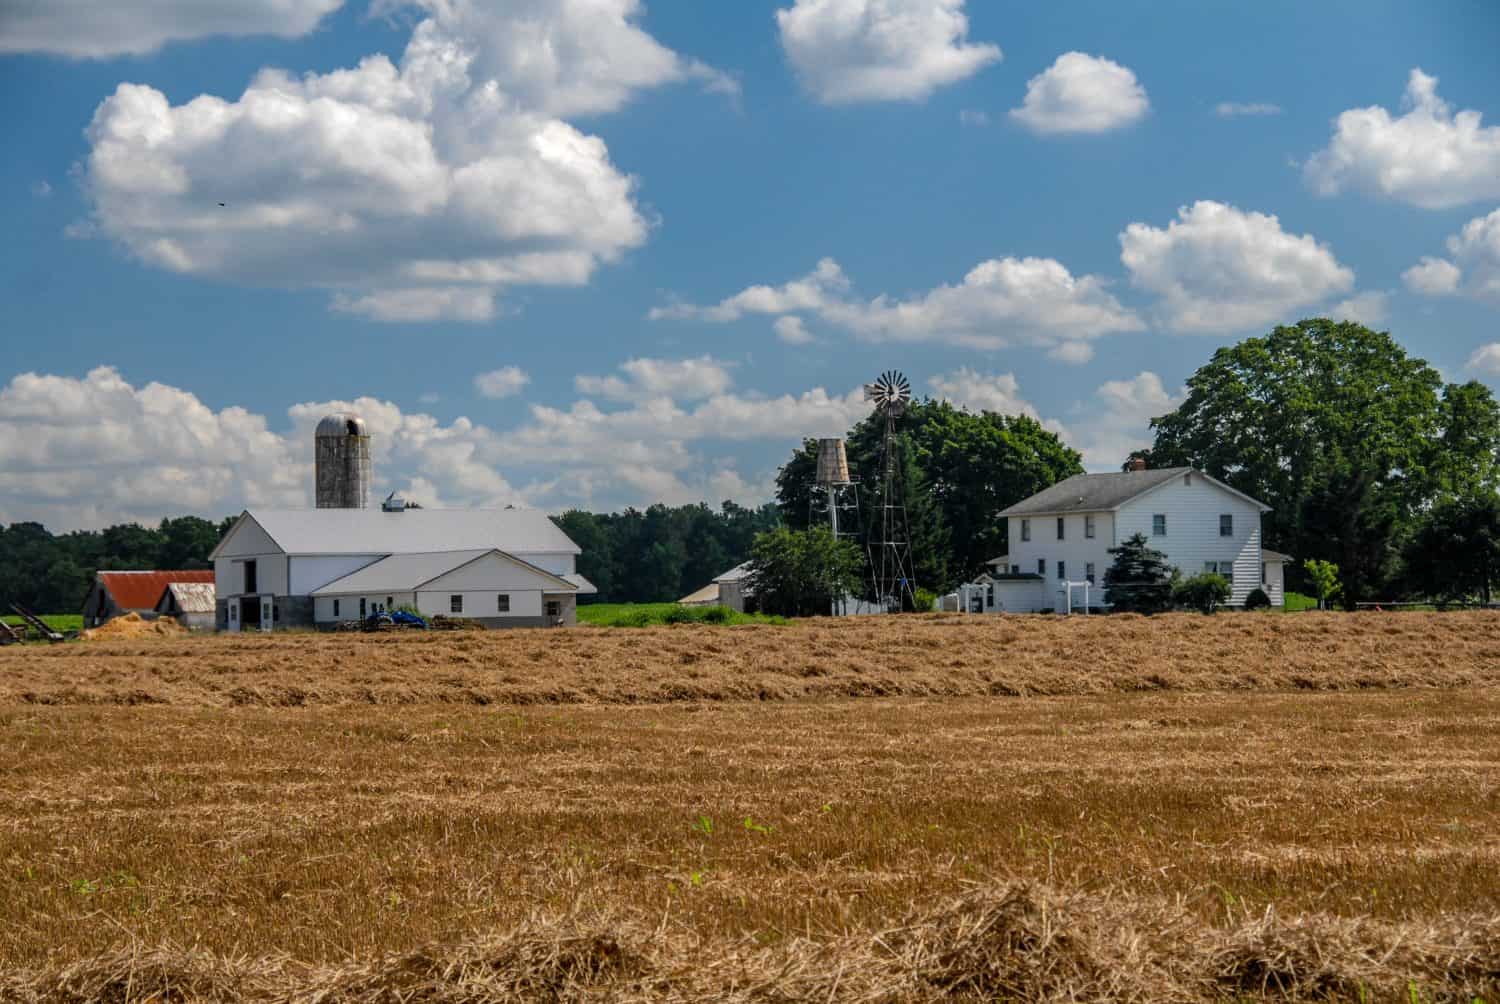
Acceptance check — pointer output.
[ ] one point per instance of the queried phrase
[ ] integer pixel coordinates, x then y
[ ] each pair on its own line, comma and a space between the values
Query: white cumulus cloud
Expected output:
1080, 93
1433, 277
1367, 308
503, 382
685, 379
999, 303
792, 330
1428, 156
846, 51
1238, 109
1217, 268
417, 191
96, 29
968, 388
1486, 360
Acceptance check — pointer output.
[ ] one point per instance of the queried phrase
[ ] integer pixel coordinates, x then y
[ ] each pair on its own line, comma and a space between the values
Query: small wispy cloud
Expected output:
973, 117
42, 189
1235, 109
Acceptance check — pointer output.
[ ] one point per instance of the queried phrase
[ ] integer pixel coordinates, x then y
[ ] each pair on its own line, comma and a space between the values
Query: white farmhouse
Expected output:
1063, 535
285, 568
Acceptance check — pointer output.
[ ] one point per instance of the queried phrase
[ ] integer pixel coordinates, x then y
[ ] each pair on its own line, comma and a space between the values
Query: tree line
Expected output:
1368, 459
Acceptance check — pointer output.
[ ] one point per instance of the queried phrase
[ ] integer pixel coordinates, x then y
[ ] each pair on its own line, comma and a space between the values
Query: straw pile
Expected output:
1010, 941
133, 625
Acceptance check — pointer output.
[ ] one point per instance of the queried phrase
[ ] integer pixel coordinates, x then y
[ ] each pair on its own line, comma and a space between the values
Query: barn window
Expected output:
1159, 524
554, 608
456, 603
1041, 566
335, 608
1262, 573
1226, 525
389, 602
503, 603
1062, 569
1060, 532
361, 607
1015, 569
250, 583
1025, 529
1088, 527
1088, 572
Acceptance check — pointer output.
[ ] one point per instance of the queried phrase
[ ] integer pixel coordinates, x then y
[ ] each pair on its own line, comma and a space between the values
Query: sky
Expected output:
603, 253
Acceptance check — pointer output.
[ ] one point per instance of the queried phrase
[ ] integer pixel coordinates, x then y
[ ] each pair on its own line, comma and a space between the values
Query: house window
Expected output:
335, 608
1226, 525
1060, 524
554, 608
456, 603
250, 583
388, 602
1062, 569
1262, 573
502, 603
1088, 572
1088, 527
1025, 529
1159, 524
1224, 568
361, 608
1041, 566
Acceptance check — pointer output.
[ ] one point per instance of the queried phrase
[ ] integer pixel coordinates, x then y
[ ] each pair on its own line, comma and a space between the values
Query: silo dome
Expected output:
341, 454
342, 423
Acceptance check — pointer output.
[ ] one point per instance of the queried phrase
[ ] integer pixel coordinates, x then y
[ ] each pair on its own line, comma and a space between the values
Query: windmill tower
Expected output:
890, 543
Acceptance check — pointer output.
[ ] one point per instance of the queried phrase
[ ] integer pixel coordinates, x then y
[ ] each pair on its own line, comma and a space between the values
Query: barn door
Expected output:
267, 611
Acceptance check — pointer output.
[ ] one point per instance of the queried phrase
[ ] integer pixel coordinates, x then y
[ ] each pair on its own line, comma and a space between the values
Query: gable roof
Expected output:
405, 573
190, 597
735, 574
141, 590
1266, 554
412, 531
1104, 492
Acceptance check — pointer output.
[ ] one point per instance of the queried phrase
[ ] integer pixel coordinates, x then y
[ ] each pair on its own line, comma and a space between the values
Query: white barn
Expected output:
287, 568
1064, 533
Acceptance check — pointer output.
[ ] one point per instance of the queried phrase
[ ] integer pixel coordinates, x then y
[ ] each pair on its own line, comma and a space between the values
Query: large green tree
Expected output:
799, 573
965, 467
1455, 552
1342, 433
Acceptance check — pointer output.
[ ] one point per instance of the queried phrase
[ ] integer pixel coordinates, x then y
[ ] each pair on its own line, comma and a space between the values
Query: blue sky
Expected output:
603, 253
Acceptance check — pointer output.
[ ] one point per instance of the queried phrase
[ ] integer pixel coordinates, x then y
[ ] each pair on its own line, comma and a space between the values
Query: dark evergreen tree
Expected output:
1139, 580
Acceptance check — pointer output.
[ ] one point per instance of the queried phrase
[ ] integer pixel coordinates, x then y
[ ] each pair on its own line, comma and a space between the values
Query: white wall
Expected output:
1192, 505
480, 603
1075, 550
1275, 585
249, 541
310, 572
491, 573
349, 605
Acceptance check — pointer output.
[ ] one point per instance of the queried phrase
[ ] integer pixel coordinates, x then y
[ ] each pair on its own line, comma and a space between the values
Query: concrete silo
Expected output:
341, 454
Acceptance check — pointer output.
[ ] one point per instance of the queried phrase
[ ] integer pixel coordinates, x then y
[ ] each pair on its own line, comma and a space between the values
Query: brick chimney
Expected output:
1137, 463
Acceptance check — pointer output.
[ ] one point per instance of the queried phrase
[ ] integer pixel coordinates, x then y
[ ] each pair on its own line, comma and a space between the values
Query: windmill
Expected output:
890, 543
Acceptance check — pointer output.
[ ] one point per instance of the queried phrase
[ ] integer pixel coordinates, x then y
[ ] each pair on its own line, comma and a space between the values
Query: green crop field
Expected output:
650, 614
57, 622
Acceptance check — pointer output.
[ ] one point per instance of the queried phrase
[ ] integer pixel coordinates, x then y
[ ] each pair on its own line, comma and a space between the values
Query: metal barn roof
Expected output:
400, 573
412, 531
141, 590
190, 597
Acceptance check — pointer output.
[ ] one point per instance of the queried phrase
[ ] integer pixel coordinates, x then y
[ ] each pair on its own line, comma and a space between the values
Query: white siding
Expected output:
1075, 550
349, 605
477, 603
249, 541
1275, 585
491, 573
1192, 505
309, 572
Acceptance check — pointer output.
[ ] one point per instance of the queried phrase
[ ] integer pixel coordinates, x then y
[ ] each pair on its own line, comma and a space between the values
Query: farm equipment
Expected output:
8, 634
386, 620
36, 623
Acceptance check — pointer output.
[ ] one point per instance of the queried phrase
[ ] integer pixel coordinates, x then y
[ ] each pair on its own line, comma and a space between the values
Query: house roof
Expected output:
706, 596
583, 586
405, 573
1266, 554
735, 574
141, 590
189, 597
1103, 492
411, 531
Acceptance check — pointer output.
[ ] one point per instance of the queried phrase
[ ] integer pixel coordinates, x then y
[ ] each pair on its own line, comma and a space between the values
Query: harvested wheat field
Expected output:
1187, 808
926, 656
